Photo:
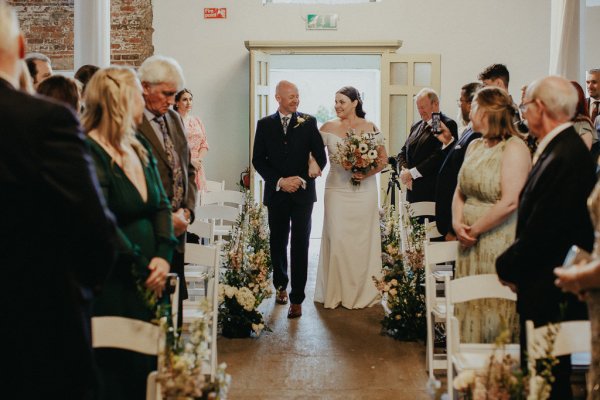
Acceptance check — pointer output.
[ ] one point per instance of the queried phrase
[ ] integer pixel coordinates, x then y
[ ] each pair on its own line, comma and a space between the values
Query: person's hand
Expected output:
159, 268
358, 176
569, 279
463, 235
405, 176
446, 136
180, 222
290, 184
449, 237
510, 285
313, 168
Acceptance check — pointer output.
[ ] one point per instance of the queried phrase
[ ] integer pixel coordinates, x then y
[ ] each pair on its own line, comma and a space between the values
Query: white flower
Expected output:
464, 380
363, 148
372, 154
393, 292
230, 291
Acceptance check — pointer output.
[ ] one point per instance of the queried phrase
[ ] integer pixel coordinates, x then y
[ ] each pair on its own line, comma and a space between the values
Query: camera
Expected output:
436, 128
393, 162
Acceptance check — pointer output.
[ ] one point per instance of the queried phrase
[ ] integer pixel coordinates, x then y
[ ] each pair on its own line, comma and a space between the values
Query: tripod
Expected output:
393, 183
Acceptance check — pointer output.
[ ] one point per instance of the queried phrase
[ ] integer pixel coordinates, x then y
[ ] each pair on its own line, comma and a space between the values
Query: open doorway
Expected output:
318, 77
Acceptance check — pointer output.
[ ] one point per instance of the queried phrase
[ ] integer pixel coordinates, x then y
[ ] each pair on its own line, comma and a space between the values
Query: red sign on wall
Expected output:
214, 13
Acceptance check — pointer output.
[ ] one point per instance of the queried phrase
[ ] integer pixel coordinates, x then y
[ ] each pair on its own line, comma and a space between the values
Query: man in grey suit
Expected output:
161, 79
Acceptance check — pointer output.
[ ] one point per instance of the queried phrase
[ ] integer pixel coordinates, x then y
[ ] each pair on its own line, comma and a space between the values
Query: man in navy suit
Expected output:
422, 154
552, 216
282, 146
455, 155
48, 185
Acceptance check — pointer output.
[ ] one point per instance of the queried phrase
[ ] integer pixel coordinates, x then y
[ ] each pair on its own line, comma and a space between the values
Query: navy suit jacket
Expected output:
57, 245
552, 216
448, 178
424, 152
276, 156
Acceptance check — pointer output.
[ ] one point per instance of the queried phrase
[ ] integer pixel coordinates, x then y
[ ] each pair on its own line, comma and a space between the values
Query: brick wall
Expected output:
48, 28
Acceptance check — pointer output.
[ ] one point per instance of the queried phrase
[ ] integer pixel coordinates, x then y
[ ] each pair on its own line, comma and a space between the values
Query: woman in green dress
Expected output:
131, 184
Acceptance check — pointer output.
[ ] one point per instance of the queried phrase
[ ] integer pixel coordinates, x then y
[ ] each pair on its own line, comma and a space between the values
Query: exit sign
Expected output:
215, 13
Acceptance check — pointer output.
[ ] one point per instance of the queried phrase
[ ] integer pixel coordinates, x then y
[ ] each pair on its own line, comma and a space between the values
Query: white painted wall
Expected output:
468, 34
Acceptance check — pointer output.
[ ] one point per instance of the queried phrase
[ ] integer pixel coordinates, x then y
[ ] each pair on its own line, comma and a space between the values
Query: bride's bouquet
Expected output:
358, 153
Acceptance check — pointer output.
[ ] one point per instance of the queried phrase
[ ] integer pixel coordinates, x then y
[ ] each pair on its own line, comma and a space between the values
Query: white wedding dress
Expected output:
351, 243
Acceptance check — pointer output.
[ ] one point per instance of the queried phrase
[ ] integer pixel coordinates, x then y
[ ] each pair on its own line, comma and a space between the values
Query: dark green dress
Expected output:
145, 231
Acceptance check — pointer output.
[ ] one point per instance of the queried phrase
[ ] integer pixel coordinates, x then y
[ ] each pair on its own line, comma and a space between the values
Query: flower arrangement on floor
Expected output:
181, 359
401, 284
358, 153
503, 377
247, 280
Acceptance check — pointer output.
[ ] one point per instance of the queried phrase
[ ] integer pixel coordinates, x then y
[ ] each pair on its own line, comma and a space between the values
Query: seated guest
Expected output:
455, 154
581, 121
195, 133
85, 73
131, 184
552, 216
483, 211
62, 89
40, 67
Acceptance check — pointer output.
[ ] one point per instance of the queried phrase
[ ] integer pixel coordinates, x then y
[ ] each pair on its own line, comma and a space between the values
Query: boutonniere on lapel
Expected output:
302, 118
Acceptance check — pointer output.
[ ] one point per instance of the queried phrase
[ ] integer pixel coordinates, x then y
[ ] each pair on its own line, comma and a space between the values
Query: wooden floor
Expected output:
325, 354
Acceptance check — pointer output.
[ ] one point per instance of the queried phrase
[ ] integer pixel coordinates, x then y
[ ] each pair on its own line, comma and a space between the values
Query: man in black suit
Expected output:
552, 215
282, 145
422, 155
48, 186
455, 155
161, 79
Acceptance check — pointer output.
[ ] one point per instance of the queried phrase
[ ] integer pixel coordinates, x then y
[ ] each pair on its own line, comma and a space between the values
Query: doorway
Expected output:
318, 77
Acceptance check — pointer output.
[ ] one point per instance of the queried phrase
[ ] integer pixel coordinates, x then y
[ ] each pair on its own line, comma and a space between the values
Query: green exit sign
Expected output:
316, 21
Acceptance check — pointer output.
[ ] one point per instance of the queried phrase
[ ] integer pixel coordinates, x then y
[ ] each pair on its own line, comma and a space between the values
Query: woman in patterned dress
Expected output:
196, 134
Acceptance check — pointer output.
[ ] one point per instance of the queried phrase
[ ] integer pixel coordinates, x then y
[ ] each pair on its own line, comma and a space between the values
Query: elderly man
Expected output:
161, 79
422, 155
39, 66
47, 182
552, 215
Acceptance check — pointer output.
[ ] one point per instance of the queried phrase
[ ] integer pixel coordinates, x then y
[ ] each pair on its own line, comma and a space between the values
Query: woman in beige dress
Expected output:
484, 209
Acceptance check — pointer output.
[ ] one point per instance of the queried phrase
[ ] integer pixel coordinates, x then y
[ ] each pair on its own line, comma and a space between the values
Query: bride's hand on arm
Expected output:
313, 167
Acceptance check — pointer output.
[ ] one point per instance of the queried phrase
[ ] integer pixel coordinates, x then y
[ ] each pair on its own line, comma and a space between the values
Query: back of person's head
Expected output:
495, 71
429, 93
110, 100
353, 94
9, 27
470, 89
558, 95
85, 73
25, 80
582, 108
497, 105
160, 69
62, 89
31, 58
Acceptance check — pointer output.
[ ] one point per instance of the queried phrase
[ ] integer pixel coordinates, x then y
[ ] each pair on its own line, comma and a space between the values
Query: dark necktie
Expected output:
284, 122
595, 110
174, 163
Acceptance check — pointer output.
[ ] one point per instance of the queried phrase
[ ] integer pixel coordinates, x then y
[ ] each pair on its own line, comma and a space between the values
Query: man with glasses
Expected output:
552, 216
448, 173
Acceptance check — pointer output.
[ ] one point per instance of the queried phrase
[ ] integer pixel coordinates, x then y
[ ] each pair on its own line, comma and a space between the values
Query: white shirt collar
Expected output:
281, 115
548, 138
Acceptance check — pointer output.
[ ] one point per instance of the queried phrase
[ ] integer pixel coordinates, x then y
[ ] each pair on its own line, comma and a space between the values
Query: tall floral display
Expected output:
247, 279
401, 284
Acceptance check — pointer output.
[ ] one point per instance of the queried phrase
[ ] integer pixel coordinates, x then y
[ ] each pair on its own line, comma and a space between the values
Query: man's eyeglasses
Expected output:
523, 106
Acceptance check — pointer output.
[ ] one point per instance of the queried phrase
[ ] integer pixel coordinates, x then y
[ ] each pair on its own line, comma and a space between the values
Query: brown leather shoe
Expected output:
295, 311
281, 297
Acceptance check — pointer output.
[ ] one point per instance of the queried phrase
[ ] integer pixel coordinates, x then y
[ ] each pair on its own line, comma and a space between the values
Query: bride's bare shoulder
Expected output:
331, 125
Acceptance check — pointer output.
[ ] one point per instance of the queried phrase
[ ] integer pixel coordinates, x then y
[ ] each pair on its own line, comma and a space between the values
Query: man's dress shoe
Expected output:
281, 297
295, 311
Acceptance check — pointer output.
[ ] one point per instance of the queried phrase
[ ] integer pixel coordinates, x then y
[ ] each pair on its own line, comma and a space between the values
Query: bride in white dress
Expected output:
351, 243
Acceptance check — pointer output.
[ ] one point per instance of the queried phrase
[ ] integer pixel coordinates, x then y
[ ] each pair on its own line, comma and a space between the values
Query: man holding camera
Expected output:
422, 154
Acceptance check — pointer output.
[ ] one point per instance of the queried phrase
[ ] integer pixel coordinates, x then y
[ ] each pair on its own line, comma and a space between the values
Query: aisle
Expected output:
326, 354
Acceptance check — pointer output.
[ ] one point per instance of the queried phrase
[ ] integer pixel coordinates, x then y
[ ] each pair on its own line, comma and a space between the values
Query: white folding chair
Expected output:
573, 337
471, 356
214, 186
215, 213
223, 197
203, 268
436, 253
204, 230
426, 209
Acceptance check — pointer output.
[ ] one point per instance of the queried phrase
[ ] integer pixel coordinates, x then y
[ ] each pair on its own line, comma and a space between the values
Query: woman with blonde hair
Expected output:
131, 184
483, 209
